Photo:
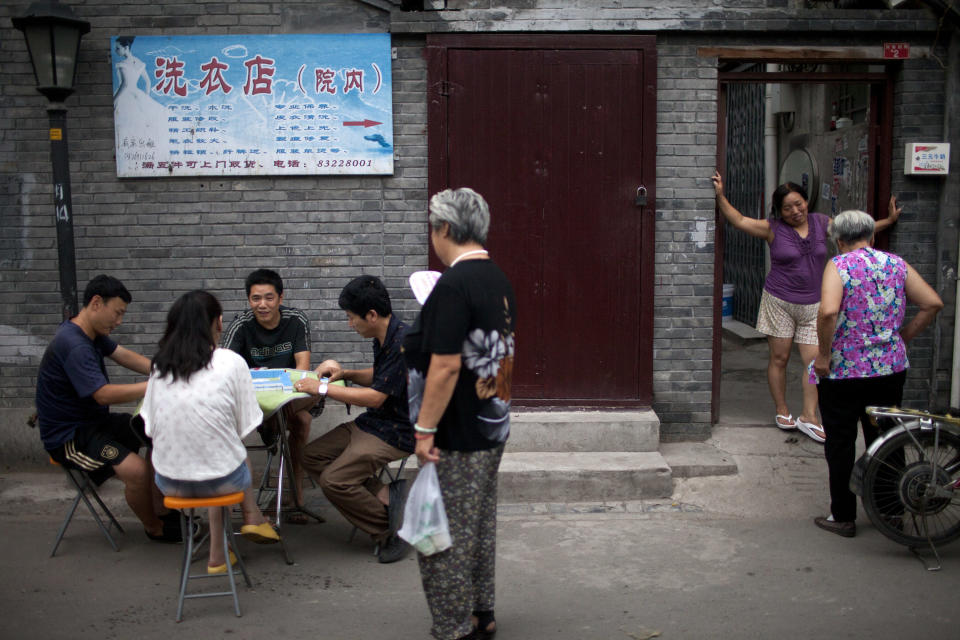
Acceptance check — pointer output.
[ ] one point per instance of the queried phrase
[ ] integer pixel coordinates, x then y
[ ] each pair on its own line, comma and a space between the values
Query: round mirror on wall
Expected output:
800, 168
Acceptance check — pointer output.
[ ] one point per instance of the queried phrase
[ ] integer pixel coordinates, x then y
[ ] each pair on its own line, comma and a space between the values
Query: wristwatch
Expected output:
322, 389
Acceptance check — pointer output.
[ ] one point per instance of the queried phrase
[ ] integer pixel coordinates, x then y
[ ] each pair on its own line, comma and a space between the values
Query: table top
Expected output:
273, 390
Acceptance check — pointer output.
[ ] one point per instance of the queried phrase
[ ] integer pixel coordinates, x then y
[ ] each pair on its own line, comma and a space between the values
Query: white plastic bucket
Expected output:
727, 308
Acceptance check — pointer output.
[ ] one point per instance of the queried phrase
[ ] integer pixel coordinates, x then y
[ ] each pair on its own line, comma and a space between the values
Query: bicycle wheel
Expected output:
896, 482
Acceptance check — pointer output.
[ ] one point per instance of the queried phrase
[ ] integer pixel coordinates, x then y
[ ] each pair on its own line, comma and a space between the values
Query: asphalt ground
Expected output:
731, 556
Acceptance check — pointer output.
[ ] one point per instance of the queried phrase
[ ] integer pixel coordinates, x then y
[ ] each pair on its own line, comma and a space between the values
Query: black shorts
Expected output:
97, 448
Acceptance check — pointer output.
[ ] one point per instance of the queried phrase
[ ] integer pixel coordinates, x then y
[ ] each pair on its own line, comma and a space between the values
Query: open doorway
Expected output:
824, 127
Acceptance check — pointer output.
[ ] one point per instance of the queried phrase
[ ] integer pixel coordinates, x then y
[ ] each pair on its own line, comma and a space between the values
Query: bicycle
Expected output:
908, 479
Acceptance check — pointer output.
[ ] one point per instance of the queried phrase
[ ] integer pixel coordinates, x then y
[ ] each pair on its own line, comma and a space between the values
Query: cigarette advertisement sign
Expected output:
252, 105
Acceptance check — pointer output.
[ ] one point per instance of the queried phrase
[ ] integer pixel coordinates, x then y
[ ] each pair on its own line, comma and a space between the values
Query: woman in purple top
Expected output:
862, 356
791, 292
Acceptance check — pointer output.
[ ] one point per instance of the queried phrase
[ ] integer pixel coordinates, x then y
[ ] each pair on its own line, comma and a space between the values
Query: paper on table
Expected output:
271, 380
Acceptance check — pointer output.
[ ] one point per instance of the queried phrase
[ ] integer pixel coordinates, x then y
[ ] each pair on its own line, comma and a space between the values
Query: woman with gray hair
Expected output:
862, 357
459, 355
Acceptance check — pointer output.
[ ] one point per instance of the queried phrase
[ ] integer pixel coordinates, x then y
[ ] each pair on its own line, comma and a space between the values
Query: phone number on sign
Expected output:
344, 163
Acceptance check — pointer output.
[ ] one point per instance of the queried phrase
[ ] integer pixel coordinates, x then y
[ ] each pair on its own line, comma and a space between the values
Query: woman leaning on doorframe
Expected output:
862, 356
791, 291
459, 355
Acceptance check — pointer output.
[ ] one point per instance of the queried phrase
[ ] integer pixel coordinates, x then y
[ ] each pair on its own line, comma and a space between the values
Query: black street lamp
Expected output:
53, 35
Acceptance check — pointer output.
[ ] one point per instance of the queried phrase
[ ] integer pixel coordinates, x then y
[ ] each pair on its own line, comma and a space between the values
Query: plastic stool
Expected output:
86, 489
188, 508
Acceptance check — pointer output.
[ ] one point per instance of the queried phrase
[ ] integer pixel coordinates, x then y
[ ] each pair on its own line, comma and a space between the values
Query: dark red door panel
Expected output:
554, 138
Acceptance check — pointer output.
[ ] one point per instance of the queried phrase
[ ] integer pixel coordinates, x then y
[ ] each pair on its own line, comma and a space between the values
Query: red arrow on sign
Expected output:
361, 123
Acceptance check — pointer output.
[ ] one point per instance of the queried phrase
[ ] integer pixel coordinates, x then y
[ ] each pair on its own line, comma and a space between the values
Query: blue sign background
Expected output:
253, 105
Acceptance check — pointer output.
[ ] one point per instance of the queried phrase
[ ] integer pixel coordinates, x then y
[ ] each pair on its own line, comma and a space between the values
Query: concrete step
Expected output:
697, 459
584, 431
553, 476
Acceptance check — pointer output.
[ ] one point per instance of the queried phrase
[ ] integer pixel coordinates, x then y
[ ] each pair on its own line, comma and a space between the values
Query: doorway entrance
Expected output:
827, 130
558, 134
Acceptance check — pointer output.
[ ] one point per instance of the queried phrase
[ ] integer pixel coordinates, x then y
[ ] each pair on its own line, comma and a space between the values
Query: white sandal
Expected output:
787, 418
814, 431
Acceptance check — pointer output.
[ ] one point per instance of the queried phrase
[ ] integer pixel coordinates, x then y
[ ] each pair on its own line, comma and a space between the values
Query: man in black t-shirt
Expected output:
273, 336
346, 460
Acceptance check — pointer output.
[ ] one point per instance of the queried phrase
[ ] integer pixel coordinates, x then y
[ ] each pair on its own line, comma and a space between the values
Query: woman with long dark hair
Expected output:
199, 405
791, 290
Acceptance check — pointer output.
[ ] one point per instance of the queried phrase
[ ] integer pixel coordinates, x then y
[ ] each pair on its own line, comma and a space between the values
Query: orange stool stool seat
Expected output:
188, 507
172, 502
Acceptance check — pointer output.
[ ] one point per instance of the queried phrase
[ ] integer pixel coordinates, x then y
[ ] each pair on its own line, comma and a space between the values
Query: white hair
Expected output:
851, 226
465, 211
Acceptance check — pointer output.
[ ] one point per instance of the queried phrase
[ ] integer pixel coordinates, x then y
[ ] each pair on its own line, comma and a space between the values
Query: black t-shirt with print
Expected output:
272, 348
471, 311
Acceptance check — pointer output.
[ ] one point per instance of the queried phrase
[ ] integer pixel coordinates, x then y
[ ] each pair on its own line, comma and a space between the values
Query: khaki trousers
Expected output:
345, 463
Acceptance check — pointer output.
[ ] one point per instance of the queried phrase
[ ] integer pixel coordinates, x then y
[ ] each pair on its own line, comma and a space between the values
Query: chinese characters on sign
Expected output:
252, 105
896, 50
927, 158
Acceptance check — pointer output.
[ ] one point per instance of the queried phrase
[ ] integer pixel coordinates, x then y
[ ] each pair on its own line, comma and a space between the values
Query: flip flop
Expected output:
261, 533
296, 517
221, 568
788, 424
814, 431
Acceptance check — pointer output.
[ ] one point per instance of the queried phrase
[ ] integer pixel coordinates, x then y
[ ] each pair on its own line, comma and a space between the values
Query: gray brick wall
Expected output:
926, 234
686, 154
165, 236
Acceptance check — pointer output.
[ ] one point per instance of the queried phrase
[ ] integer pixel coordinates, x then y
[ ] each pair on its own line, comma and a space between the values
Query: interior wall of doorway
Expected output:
827, 131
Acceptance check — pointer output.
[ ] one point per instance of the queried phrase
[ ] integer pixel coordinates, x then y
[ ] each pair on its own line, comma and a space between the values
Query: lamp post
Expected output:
53, 35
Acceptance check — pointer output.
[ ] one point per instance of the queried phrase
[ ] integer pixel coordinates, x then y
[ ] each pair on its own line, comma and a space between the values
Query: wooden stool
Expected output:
188, 508
86, 489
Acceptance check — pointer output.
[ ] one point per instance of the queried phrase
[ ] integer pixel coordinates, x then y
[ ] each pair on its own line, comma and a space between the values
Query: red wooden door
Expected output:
558, 134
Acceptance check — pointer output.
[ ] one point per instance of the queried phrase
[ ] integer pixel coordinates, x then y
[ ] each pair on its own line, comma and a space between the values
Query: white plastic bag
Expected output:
424, 518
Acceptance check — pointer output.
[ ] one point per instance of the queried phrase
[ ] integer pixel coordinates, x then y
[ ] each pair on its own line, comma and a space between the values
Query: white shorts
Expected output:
781, 319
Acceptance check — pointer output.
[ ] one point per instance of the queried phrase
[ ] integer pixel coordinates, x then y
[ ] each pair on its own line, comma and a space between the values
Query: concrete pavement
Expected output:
728, 556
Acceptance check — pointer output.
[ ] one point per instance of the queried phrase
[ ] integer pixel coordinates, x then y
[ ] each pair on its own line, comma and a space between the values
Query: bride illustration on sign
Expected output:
140, 120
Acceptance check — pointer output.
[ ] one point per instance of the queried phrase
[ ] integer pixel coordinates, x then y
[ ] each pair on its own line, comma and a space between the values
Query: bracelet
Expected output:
420, 429
423, 436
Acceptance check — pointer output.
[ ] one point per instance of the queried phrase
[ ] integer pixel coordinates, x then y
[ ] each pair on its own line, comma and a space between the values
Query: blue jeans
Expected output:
236, 480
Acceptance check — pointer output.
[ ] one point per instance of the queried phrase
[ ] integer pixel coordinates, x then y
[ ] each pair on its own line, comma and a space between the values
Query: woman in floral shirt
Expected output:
862, 358
459, 356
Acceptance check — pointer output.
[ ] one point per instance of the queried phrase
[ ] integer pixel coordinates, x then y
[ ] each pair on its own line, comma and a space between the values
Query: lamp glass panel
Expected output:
40, 44
66, 39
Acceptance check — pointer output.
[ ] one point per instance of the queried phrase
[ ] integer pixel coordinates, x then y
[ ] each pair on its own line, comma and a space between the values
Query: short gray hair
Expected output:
465, 211
851, 226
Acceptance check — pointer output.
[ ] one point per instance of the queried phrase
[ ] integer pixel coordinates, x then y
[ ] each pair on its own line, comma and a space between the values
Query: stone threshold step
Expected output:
697, 459
579, 476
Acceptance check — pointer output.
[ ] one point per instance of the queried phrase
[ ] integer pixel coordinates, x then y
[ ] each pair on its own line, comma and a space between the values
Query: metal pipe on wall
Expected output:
771, 161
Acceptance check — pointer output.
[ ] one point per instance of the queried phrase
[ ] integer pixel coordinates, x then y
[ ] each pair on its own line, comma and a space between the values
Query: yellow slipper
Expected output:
261, 533
221, 568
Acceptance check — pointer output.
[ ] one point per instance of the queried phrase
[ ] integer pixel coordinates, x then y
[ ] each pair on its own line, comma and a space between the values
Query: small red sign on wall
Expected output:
896, 49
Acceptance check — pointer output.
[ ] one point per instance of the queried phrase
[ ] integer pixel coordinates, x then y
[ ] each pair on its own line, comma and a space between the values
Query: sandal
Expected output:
485, 620
261, 533
814, 431
295, 517
785, 422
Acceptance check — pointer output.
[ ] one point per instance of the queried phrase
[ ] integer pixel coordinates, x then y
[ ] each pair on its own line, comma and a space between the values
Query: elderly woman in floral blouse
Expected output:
459, 356
862, 358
